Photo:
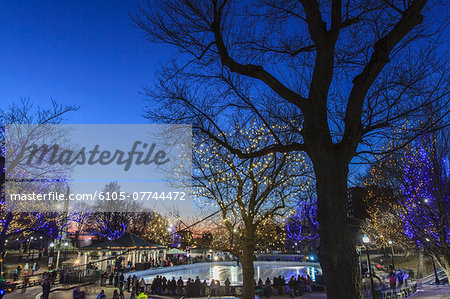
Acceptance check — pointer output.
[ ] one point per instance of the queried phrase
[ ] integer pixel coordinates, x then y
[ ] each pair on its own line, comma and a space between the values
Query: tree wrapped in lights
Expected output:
425, 205
249, 194
19, 224
128, 216
383, 224
271, 234
410, 203
383, 199
302, 228
113, 217
159, 230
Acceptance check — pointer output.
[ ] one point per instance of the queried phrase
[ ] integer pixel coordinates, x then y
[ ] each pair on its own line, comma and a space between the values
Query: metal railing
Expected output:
399, 293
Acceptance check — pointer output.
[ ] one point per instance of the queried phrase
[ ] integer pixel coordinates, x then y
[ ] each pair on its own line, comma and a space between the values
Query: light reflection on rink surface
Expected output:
220, 271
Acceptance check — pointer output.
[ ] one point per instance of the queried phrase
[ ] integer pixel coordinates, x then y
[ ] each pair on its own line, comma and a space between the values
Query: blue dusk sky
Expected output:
82, 52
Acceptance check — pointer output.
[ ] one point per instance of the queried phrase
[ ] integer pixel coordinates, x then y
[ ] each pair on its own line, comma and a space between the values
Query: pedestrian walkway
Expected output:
93, 291
424, 292
314, 295
36, 292
433, 292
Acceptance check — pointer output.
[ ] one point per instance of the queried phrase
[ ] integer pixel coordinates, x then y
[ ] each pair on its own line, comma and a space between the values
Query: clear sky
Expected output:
80, 52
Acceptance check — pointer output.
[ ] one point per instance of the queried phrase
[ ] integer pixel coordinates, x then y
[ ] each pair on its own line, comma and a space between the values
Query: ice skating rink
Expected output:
221, 270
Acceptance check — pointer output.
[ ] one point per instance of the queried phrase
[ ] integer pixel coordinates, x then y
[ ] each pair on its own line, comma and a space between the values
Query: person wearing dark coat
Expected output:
111, 279
267, 288
180, 284
128, 283
197, 286
46, 288
203, 288
227, 286
163, 285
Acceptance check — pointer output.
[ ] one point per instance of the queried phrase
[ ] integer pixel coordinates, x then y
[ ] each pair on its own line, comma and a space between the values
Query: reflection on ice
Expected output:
220, 271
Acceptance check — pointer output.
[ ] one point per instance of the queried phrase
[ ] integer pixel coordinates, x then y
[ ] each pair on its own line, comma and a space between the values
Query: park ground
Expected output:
425, 291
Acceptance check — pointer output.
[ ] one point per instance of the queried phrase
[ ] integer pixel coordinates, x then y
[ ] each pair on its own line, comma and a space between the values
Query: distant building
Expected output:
359, 201
356, 203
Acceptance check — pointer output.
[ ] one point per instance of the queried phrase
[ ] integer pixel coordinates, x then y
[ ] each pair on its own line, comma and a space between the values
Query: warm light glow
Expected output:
366, 239
215, 273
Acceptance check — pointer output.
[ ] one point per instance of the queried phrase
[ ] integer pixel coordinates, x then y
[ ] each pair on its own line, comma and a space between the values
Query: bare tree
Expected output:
329, 78
80, 220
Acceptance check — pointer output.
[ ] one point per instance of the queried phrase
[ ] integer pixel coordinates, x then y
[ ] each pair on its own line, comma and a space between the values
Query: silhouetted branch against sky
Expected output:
380, 64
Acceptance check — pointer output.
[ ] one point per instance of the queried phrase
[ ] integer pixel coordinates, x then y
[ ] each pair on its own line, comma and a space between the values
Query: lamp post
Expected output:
358, 250
366, 241
58, 254
51, 254
392, 251
65, 249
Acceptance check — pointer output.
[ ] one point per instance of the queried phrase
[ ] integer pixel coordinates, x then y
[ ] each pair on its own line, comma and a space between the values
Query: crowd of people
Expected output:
25, 270
169, 261
119, 294
295, 286
394, 280
398, 279
160, 285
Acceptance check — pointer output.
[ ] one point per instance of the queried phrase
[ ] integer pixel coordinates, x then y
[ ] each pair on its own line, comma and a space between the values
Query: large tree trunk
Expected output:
248, 271
444, 262
446, 266
337, 251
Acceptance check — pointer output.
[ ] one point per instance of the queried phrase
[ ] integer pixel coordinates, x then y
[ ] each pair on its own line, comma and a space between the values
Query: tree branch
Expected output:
275, 148
379, 58
251, 70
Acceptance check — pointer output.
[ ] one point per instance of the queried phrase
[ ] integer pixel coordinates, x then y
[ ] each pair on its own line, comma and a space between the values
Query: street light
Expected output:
65, 249
392, 251
366, 241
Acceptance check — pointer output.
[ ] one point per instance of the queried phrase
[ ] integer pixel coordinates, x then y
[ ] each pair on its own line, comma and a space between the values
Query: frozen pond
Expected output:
221, 270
